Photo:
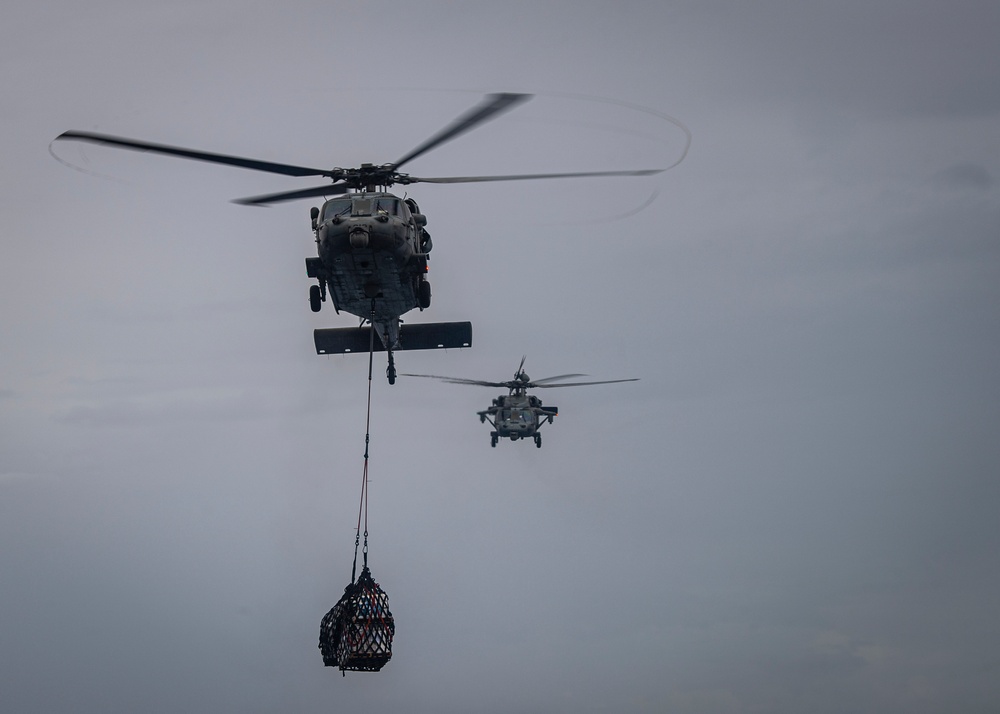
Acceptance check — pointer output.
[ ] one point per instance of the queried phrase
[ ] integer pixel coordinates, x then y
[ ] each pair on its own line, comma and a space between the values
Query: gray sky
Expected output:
794, 510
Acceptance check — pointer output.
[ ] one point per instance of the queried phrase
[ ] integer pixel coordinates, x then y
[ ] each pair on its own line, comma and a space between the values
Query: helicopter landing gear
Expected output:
538, 440
423, 294
315, 298
493, 439
390, 371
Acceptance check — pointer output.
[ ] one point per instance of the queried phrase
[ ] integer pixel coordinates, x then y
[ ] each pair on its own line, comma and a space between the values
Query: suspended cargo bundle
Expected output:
357, 633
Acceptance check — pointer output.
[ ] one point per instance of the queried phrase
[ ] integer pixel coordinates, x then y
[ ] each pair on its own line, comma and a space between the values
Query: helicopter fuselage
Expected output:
517, 416
372, 253
372, 263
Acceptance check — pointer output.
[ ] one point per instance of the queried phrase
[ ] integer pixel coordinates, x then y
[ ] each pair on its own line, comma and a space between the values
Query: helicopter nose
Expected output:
359, 237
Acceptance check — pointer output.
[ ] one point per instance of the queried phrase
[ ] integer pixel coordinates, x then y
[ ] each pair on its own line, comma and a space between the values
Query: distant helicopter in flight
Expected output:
519, 415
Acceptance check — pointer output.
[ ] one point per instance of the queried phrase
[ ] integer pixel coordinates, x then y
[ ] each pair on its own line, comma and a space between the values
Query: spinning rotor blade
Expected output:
255, 164
329, 190
520, 367
581, 384
522, 177
492, 106
458, 380
543, 380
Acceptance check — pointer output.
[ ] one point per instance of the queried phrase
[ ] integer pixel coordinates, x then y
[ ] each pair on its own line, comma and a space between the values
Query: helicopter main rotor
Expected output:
521, 381
365, 177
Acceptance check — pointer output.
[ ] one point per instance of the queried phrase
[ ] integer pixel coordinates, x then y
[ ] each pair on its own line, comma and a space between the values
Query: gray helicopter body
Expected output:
517, 416
372, 257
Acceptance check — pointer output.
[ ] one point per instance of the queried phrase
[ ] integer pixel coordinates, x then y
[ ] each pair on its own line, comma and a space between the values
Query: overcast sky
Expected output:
794, 510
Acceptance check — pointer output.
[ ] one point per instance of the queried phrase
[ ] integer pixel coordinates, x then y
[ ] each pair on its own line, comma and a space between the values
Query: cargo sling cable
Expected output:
357, 633
363, 506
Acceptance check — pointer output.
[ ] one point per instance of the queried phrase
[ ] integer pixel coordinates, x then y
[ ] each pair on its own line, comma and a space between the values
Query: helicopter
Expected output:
519, 415
372, 245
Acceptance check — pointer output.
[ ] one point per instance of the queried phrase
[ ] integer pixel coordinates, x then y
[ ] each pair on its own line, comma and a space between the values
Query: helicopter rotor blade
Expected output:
268, 198
492, 106
523, 177
520, 367
582, 384
458, 380
245, 163
543, 380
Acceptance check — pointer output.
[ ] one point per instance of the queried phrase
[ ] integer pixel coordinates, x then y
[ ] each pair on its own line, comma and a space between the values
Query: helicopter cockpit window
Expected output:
388, 206
336, 207
362, 207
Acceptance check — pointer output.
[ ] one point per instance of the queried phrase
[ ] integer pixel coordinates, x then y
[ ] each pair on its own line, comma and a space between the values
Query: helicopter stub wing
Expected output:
426, 336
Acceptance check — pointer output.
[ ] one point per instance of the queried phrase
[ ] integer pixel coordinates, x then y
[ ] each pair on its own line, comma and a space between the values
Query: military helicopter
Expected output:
518, 415
372, 245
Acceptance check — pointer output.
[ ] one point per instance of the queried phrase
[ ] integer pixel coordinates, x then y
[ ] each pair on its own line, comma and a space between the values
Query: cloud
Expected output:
965, 175
11, 476
714, 701
836, 644
160, 409
16, 477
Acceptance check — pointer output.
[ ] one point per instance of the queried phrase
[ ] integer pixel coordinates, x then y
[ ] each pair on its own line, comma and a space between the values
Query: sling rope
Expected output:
363, 505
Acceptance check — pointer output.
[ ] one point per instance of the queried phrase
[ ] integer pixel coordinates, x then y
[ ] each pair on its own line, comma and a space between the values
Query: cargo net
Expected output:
356, 634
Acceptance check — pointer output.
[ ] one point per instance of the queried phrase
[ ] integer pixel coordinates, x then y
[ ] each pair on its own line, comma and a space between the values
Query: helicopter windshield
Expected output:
336, 207
362, 207
387, 206
519, 415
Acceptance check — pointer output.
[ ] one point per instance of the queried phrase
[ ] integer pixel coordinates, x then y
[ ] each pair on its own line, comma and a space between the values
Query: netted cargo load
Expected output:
356, 634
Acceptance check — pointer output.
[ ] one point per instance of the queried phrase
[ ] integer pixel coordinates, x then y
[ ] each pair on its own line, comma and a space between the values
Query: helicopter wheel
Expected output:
315, 298
390, 371
538, 440
424, 294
